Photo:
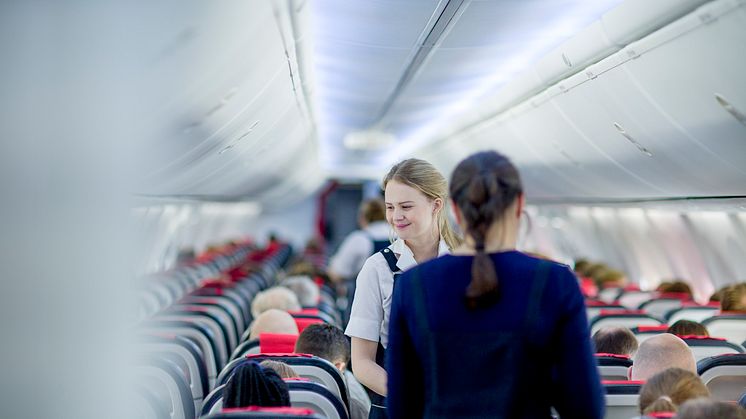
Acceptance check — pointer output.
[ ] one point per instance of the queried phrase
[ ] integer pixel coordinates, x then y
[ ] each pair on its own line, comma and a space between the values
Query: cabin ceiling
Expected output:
263, 101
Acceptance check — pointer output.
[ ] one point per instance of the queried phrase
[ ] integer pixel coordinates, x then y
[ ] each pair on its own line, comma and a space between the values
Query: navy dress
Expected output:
516, 359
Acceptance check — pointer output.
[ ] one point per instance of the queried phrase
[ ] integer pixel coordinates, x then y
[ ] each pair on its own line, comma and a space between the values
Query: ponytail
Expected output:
661, 404
483, 186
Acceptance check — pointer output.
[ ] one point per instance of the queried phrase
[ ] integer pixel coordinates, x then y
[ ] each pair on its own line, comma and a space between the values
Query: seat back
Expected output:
304, 394
628, 319
613, 367
633, 299
729, 326
724, 375
693, 313
163, 378
705, 347
622, 398
644, 332
658, 307
591, 311
307, 366
256, 412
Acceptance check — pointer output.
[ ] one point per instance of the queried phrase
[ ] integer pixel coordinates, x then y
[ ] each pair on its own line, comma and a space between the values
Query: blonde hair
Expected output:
282, 369
424, 177
667, 390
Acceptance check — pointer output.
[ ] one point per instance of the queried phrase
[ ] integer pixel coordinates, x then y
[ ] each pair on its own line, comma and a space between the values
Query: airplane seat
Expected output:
706, 346
594, 307
266, 344
610, 295
220, 340
306, 395
307, 366
729, 326
244, 348
235, 311
644, 332
658, 307
305, 320
632, 299
622, 398
724, 375
147, 405
228, 326
622, 318
163, 377
613, 367
254, 412
742, 400
693, 312
659, 415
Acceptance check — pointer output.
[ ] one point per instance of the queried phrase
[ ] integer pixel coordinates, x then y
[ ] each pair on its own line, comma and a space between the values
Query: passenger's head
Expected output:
488, 197
615, 340
596, 271
676, 286
733, 298
304, 288
252, 385
704, 408
282, 369
659, 353
280, 298
611, 278
668, 389
416, 194
370, 211
580, 266
688, 328
325, 341
273, 321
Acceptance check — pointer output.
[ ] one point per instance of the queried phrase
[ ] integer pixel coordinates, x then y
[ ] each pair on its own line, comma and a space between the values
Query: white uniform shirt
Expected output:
375, 284
357, 247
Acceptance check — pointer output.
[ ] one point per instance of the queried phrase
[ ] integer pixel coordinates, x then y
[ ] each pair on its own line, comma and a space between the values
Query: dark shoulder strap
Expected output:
390, 259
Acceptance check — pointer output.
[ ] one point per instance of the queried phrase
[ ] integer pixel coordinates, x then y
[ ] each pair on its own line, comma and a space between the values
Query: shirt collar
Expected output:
406, 257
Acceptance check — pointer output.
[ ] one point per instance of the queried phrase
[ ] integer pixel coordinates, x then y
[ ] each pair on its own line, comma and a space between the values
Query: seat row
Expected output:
182, 347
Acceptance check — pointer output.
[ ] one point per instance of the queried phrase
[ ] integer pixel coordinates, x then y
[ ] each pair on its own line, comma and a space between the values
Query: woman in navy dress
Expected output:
489, 331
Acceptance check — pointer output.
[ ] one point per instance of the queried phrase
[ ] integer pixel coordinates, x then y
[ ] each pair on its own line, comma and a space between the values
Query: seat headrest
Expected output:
277, 343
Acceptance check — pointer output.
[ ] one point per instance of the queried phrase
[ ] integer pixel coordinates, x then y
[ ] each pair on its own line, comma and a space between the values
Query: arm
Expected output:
367, 371
578, 388
365, 327
405, 375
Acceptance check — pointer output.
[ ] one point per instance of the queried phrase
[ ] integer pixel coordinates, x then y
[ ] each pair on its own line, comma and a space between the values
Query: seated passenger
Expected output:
659, 353
612, 278
282, 369
688, 328
615, 340
274, 321
304, 288
668, 389
489, 331
252, 385
733, 298
329, 342
676, 286
280, 298
704, 408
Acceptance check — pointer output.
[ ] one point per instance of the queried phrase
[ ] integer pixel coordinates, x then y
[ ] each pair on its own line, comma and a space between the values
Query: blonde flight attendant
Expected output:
415, 194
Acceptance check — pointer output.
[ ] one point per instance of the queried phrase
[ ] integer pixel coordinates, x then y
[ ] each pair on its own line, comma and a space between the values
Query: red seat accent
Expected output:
310, 311
698, 337
617, 382
276, 343
612, 311
275, 354
661, 415
303, 323
661, 328
282, 410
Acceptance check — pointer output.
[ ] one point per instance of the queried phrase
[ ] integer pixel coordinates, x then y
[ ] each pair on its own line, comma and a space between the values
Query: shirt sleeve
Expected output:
406, 392
578, 386
367, 308
352, 251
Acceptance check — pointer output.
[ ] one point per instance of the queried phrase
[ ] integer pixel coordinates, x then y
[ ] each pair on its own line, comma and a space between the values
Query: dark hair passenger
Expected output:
252, 385
488, 331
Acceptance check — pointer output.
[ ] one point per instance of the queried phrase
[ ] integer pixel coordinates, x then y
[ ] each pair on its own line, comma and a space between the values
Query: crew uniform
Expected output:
375, 284
515, 359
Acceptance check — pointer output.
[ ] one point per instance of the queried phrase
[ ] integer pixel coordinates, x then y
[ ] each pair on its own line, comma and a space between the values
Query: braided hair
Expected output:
483, 187
252, 385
